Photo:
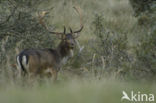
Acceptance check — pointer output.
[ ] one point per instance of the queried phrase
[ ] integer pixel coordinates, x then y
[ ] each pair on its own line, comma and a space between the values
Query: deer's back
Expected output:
39, 60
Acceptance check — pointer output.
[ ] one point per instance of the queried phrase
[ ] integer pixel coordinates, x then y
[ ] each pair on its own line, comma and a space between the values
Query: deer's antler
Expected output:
81, 24
41, 16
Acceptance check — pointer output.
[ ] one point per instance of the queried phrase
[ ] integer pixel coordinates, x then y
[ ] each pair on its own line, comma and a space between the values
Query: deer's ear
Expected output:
63, 36
64, 30
71, 30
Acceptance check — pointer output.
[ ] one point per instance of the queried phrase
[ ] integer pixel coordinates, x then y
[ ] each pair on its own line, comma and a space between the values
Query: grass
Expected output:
74, 91
118, 16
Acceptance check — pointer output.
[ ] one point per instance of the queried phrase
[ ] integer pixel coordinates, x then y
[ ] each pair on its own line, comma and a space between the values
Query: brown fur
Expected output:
40, 60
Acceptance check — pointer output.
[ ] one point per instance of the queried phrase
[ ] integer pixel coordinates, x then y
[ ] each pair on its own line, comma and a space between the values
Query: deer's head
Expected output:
67, 39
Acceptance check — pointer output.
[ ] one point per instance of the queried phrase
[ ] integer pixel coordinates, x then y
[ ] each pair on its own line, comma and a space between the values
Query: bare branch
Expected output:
8, 18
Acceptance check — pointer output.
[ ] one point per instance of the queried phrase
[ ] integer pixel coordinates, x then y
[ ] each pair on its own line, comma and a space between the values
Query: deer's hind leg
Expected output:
54, 74
51, 73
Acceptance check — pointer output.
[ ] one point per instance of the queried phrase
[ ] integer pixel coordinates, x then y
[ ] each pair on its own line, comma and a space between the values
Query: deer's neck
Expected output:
63, 50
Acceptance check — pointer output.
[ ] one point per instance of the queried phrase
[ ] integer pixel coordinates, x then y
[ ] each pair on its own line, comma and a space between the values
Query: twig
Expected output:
8, 18
80, 47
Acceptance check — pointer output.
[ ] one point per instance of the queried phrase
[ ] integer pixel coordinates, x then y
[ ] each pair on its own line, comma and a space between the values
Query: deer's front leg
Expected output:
54, 74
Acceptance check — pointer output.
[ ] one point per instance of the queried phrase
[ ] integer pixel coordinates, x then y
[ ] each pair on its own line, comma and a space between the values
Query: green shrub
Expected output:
20, 29
111, 47
145, 65
146, 55
145, 11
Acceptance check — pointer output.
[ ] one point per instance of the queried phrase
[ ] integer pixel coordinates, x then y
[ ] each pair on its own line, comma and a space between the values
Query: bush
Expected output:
111, 47
145, 11
145, 51
146, 55
20, 29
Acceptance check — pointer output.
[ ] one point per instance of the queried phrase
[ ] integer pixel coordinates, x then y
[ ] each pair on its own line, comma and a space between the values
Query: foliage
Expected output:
146, 54
145, 50
114, 40
145, 11
111, 47
20, 29
141, 6
117, 45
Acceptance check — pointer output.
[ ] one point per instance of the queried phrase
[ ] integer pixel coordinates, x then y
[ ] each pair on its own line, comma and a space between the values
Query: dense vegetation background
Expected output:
119, 39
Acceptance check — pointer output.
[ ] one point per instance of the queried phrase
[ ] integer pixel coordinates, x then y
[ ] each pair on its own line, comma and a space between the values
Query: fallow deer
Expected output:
39, 61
